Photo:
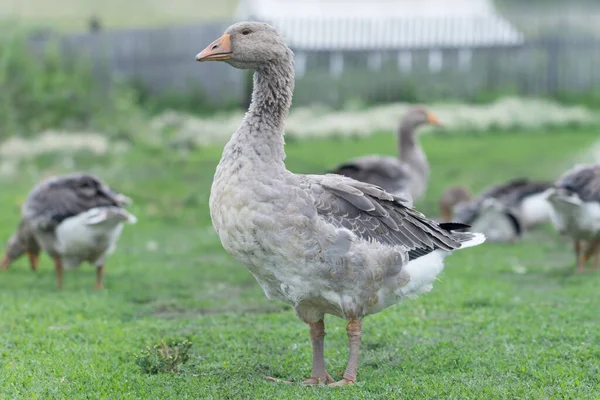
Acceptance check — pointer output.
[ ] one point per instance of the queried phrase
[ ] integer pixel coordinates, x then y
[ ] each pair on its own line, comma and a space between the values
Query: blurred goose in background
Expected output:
452, 197
502, 212
22, 242
326, 244
406, 175
74, 218
575, 210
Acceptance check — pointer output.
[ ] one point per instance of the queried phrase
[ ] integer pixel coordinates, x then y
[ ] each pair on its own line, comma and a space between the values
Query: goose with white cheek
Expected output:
575, 211
76, 218
326, 244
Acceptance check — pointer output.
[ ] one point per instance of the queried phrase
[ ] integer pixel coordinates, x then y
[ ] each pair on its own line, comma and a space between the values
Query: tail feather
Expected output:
453, 226
467, 239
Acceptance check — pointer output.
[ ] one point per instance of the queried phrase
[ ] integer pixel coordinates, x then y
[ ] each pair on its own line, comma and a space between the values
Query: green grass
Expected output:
74, 14
503, 322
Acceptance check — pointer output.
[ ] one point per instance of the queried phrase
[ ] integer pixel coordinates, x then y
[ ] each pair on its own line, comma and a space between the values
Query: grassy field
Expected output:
74, 14
504, 322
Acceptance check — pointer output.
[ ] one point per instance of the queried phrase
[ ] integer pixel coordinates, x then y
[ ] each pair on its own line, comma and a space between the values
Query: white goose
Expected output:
74, 218
575, 211
326, 244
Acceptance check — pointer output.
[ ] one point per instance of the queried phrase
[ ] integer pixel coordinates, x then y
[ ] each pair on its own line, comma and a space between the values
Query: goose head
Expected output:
452, 197
417, 116
247, 45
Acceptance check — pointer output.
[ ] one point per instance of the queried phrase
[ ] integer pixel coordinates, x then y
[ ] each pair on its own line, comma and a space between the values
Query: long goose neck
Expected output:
262, 129
410, 150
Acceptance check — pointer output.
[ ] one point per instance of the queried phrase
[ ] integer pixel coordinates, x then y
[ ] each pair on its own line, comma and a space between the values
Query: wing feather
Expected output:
375, 215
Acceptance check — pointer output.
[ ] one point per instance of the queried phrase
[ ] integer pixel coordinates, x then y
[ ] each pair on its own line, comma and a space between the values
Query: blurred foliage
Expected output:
53, 89
41, 89
192, 100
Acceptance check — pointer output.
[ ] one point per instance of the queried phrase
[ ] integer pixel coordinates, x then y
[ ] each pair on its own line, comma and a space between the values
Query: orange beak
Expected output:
433, 119
218, 50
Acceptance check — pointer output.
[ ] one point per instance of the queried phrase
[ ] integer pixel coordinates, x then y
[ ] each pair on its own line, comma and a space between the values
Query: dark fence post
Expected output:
553, 50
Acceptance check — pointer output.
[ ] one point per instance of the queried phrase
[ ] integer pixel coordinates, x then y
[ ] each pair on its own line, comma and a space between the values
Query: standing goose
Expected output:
575, 210
325, 244
76, 218
502, 212
408, 174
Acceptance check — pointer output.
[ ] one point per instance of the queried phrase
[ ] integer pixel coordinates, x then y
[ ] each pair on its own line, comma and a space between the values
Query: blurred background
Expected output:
112, 87
348, 53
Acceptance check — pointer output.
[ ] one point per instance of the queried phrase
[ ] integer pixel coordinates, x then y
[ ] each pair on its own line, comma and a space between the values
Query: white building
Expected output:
339, 26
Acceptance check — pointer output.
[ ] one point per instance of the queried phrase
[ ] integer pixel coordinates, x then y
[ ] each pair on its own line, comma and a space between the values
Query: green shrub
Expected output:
45, 88
165, 357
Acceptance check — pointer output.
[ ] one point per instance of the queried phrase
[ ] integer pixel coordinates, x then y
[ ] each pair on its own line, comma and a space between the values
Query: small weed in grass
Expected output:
165, 357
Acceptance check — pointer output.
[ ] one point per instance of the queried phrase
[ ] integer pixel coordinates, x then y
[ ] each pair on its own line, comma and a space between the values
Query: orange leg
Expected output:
34, 259
58, 267
592, 248
99, 274
319, 373
354, 330
5, 263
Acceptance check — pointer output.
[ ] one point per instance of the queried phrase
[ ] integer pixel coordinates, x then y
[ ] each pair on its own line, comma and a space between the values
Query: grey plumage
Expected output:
74, 218
575, 200
375, 215
52, 201
584, 180
509, 194
326, 244
21, 242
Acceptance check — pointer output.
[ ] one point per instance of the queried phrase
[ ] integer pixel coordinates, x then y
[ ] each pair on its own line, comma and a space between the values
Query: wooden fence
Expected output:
163, 61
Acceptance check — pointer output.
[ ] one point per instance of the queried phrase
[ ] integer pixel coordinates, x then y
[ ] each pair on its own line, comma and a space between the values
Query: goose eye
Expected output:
246, 31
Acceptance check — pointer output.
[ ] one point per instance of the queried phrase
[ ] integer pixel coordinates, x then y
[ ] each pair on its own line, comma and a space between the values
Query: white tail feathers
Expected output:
98, 215
476, 240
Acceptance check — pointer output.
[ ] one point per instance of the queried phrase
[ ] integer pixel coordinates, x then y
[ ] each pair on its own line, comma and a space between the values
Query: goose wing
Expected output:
375, 215
56, 199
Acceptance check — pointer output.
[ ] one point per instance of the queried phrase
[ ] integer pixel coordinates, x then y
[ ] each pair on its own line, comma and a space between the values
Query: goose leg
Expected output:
99, 274
317, 335
579, 255
34, 259
58, 267
354, 330
5, 263
594, 247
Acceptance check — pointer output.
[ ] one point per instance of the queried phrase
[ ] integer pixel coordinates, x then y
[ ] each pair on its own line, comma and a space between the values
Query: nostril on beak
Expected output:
214, 47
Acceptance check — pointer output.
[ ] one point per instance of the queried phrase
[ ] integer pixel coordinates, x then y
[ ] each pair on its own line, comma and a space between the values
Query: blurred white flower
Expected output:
305, 122
54, 141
